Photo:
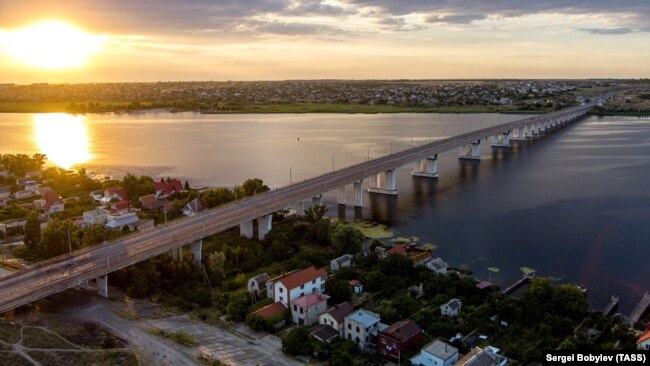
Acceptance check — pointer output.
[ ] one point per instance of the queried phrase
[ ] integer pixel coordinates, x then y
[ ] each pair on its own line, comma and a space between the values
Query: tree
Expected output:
338, 290
297, 342
346, 239
32, 233
255, 322
252, 187
315, 213
216, 263
237, 306
187, 186
57, 238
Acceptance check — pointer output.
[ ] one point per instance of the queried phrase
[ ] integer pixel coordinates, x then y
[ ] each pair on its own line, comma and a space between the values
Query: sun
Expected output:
51, 44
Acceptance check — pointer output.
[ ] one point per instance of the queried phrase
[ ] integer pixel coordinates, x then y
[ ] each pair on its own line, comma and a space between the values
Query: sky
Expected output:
168, 40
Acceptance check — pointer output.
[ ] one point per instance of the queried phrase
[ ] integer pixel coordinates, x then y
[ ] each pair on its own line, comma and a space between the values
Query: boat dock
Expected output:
640, 309
611, 307
512, 288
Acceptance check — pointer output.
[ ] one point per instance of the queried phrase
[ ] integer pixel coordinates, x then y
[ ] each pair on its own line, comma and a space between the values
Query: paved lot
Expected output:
225, 346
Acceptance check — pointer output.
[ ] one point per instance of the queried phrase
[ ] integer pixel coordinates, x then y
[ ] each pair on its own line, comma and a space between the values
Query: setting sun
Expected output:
63, 138
50, 45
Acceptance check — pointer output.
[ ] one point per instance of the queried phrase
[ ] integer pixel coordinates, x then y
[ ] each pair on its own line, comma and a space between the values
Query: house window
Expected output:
313, 281
301, 311
349, 326
302, 294
281, 299
313, 289
357, 329
302, 286
295, 308
281, 290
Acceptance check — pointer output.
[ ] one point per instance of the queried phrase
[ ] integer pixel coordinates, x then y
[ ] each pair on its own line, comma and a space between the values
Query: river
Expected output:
574, 205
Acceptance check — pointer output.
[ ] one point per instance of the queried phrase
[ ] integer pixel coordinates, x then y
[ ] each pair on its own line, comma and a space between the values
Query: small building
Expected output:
166, 189
488, 356
436, 353
644, 341
118, 221
98, 216
451, 308
31, 185
437, 265
397, 338
150, 203
335, 316
341, 262
142, 225
299, 283
5, 192
33, 174
324, 333
23, 194
120, 207
357, 287
305, 310
192, 208
417, 255
271, 311
257, 285
115, 193
41, 191
50, 203
362, 327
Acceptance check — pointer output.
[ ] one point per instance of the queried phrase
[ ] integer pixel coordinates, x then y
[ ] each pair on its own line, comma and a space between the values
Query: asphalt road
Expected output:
60, 273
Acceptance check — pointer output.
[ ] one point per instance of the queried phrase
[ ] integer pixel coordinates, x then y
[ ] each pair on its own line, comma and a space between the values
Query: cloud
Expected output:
608, 31
453, 18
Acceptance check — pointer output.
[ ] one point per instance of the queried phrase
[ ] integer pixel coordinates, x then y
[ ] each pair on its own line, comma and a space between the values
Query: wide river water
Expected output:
574, 205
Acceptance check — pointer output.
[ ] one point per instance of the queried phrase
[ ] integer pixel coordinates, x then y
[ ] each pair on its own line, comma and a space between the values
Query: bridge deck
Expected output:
66, 271
640, 309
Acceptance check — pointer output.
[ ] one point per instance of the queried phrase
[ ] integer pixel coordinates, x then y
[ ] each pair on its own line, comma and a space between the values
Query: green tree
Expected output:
252, 187
297, 342
237, 306
32, 234
57, 238
338, 290
216, 263
315, 213
346, 239
217, 197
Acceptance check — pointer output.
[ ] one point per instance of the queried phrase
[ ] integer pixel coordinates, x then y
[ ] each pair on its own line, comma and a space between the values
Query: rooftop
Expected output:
272, 310
364, 317
340, 311
440, 349
402, 330
310, 300
298, 278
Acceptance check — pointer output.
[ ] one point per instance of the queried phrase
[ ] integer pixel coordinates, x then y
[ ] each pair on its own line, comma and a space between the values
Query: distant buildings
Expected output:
341, 262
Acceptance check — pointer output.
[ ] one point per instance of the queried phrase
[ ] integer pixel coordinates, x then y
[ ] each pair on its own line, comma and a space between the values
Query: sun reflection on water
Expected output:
63, 138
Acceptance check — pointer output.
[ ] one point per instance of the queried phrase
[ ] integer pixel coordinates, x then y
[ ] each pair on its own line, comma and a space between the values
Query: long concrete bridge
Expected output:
95, 263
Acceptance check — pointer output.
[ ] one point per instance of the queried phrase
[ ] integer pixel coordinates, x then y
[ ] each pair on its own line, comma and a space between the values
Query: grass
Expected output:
356, 108
179, 337
42, 107
38, 338
372, 230
9, 332
13, 359
96, 358
87, 334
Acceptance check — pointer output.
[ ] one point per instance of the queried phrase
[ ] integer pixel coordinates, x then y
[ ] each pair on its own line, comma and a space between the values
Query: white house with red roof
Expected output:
50, 203
115, 193
297, 284
305, 310
644, 341
166, 189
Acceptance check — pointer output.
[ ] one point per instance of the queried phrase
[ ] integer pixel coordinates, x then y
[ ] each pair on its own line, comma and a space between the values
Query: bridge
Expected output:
95, 263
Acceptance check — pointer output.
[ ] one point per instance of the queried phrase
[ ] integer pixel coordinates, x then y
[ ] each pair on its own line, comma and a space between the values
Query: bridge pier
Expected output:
542, 127
502, 139
534, 128
388, 185
518, 134
358, 193
102, 286
246, 229
471, 151
427, 168
341, 195
177, 253
264, 225
300, 209
196, 251
317, 200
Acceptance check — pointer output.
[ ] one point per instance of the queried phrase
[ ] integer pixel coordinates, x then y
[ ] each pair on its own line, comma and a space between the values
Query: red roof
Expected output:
398, 249
118, 191
51, 198
272, 310
121, 205
301, 277
149, 199
644, 337
167, 188
309, 300
402, 330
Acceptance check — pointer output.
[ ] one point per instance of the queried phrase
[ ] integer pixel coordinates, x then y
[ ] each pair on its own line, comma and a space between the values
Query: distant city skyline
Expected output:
334, 39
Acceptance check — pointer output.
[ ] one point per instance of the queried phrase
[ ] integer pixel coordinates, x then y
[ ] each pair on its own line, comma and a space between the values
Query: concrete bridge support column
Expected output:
388, 185
317, 200
535, 128
300, 209
177, 253
264, 225
196, 251
246, 229
528, 132
542, 127
341, 195
501, 140
518, 134
102, 286
358, 193
470, 151
426, 167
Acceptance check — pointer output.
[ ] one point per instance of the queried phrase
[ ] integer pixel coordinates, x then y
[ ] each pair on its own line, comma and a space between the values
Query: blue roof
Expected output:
364, 317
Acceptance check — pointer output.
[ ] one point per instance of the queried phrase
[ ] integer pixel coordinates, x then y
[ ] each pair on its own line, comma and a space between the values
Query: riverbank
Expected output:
66, 107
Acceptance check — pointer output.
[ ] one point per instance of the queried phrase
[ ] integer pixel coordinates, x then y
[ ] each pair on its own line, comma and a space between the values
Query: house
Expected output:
362, 327
41, 191
483, 357
451, 308
115, 193
257, 285
5, 192
335, 316
305, 310
324, 333
31, 185
644, 341
437, 265
142, 225
397, 338
417, 255
115, 220
150, 203
357, 287
120, 207
436, 353
343, 261
23, 194
33, 174
192, 208
298, 284
98, 216
166, 189
4, 173
271, 311
50, 203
